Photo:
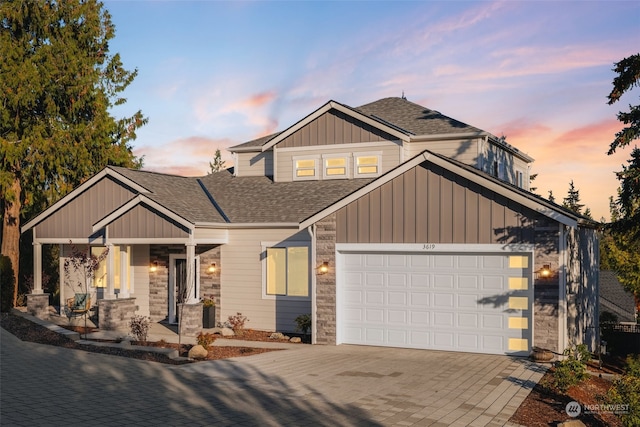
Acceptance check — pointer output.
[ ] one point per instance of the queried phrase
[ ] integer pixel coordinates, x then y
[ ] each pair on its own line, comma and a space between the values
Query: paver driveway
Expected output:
311, 385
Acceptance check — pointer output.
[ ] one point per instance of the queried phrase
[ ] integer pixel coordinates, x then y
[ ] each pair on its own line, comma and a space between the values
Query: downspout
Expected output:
312, 232
562, 297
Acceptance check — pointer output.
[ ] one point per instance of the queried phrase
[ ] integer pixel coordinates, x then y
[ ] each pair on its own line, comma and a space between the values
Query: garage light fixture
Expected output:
324, 268
154, 267
212, 268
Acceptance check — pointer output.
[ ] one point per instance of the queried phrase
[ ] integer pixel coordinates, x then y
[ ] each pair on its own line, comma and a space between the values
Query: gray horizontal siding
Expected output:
334, 127
430, 204
255, 164
75, 219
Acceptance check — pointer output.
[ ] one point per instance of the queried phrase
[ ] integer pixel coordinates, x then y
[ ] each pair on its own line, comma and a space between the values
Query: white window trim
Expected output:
263, 260
377, 154
316, 160
347, 164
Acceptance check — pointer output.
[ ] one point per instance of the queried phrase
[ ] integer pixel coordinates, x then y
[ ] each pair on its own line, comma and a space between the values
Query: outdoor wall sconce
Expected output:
154, 267
545, 271
212, 268
324, 268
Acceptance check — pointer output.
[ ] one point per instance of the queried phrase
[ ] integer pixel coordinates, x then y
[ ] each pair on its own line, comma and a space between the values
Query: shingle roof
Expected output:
260, 200
241, 199
614, 299
414, 118
255, 142
182, 195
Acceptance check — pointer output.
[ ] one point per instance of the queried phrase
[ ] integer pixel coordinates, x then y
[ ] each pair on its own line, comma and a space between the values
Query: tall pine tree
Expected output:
58, 82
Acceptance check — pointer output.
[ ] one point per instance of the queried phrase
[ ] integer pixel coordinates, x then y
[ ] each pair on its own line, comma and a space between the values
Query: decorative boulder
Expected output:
276, 336
295, 340
227, 332
198, 352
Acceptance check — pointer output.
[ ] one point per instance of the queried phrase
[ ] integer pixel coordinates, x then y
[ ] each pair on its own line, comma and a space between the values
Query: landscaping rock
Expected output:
572, 423
276, 336
198, 352
227, 332
295, 340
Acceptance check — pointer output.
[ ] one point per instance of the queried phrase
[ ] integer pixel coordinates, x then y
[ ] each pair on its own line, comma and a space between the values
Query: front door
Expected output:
179, 292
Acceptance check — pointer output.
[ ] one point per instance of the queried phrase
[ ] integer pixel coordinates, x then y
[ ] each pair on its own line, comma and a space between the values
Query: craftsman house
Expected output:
391, 224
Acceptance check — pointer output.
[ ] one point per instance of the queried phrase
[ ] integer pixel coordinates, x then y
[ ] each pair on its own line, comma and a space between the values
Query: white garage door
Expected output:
458, 302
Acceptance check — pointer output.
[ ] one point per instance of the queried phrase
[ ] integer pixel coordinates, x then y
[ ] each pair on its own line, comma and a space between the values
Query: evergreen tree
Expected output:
628, 71
58, 82
572, 201
551, 197
218, 164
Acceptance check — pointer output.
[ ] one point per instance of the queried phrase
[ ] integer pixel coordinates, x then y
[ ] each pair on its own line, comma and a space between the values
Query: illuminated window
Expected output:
305, 169
287, 271
100, 275
367, 165
335, 167
122, 263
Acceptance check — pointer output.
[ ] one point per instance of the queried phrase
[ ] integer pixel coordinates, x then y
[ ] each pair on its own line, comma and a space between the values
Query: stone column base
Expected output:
190, 319
115, 314
38, 305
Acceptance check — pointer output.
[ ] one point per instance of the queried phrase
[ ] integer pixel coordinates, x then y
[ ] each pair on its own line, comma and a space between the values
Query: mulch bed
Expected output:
545, 405
29, 331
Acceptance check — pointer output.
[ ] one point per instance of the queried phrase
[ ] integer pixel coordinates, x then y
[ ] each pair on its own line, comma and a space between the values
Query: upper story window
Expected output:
520, 179
367, 165
335, 166
305, 168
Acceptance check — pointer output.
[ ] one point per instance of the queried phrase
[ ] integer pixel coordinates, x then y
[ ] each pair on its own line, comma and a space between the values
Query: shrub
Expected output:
303, 323
7, 284
205, 340
237, 322
572, 370
626, 392
139, 327
208, 301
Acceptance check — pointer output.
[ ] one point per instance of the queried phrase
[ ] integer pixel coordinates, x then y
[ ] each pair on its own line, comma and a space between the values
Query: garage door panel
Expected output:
459, 302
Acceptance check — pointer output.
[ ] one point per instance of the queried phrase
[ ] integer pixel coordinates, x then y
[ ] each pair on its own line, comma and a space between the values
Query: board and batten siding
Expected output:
241, 281
389, 151
462, 150
254, 164
430, 204
144, 222
75, 219
334, 127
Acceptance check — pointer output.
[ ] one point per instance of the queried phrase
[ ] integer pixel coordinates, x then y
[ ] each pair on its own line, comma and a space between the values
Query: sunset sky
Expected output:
213, 74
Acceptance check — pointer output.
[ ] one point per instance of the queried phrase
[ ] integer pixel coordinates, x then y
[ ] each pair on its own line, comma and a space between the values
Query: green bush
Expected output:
626, 392
303, 323
7, 284
572, 370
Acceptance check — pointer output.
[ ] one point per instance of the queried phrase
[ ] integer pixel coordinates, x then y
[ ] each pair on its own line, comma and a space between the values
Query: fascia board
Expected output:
245, 225
79, 190
337, 106
135, 202
495, 187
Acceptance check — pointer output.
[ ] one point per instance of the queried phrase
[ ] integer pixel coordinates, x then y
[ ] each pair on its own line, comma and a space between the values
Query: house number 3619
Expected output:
428, 246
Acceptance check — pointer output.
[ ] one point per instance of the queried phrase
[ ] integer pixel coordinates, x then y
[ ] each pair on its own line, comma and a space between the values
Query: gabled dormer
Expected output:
340, 142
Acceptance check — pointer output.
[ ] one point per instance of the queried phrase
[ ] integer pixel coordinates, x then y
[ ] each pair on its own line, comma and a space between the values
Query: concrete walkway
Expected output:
307, 386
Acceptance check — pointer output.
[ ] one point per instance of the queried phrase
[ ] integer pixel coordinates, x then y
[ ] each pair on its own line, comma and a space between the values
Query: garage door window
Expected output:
287, 271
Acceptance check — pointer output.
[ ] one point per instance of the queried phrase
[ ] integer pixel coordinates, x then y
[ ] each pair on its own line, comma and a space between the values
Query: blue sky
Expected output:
213, 74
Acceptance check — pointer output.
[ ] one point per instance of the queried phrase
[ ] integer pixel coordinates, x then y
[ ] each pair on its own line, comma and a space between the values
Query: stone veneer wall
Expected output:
210, 282
326, 283
191, 319
38, 305
115, 314
159, 281
547, 290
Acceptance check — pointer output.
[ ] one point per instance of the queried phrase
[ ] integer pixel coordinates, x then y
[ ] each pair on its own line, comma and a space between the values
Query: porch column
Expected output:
111, 279
191, 277
37, 268
124, 282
